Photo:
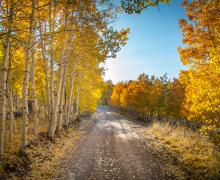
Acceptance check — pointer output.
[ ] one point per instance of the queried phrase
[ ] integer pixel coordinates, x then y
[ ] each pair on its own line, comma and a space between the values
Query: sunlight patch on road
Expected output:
122, 136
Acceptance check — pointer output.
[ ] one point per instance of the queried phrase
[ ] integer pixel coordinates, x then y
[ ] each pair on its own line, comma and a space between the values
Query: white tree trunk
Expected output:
53, 124
34, 96
26, 80
70, 100
3, 94
43, 52
78, 100
3, 77
61, 108
10, 107
51, 27
60, 113
25, 99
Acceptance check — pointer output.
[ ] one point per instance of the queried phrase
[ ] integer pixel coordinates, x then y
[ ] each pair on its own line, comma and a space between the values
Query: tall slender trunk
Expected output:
3, 78
10, 100
65, 107
43, 52
34, 96
70, 100
3, 94
78, 100
60, 113
44, 103
26, 79
51, 27
11, 110
61, 108
53, 124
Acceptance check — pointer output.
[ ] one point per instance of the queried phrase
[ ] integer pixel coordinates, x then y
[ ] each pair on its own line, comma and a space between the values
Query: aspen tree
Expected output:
28, 48
70, 100
52, 12
53, 124
43, 52
78, 99
62, 106
34, 96
3, 83
10, 100
201, 34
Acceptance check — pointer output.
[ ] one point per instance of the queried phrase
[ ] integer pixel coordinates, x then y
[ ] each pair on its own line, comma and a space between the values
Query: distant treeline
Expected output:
195, 96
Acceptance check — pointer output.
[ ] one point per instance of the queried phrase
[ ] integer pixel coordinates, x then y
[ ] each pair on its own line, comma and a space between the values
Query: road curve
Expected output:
113, 150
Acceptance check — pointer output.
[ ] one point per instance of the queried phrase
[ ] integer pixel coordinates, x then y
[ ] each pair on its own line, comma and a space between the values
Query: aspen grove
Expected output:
53, 94
50, 62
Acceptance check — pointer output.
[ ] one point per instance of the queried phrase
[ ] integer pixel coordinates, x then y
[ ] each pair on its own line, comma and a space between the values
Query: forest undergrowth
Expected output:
43, 156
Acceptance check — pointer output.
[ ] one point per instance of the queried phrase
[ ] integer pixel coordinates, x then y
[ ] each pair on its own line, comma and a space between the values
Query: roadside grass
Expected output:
194, 150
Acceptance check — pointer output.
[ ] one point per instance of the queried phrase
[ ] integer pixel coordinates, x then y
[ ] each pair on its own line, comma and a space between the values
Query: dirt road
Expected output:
112, 150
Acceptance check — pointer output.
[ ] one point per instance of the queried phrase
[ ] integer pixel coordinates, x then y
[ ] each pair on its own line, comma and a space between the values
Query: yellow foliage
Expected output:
202, 94
201, 36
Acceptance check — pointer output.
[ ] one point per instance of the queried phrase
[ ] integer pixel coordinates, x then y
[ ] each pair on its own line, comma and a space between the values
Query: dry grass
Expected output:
194, 150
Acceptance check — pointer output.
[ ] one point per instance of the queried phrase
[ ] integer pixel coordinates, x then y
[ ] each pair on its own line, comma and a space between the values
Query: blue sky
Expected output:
152, 45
